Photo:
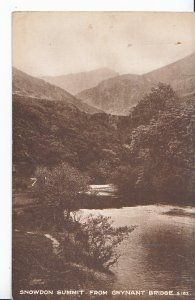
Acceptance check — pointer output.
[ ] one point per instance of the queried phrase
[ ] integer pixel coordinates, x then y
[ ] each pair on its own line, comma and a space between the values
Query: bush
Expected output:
152, 104
100, 240
58, 191
125, 178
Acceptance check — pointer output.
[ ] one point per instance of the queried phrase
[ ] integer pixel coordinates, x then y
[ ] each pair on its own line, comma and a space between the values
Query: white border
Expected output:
105, 5
6, 7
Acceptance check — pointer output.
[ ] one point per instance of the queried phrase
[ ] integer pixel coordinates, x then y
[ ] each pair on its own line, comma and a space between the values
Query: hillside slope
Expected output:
28, 86
117, 95
153, 143
75, 83
51, 132
180, 75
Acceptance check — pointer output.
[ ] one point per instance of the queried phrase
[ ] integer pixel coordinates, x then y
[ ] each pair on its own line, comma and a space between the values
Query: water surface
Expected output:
160, 252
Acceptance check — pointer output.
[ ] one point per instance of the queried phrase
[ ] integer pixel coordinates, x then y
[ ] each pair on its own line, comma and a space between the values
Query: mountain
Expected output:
150, 152
75, 83
47, 133
180, 75
28, 86
117, 95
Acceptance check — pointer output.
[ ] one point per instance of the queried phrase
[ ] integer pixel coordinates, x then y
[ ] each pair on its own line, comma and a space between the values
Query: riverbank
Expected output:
36, 266
106, 196
159, 254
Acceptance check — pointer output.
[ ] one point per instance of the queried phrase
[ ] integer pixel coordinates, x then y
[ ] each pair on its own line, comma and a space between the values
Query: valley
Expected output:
118, 156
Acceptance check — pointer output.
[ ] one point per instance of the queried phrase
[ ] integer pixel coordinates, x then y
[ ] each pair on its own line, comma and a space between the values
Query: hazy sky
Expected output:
53, 43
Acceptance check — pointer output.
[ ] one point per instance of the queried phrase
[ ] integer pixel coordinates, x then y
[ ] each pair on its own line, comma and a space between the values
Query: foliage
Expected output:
159, 150
47, 133
100, 240
58, 191
100, 172
152, 104
125, 177
134, 150
166, 145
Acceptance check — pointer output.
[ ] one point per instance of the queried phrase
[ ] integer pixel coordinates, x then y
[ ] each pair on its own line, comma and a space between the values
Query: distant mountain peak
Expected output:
76, 82
118, 94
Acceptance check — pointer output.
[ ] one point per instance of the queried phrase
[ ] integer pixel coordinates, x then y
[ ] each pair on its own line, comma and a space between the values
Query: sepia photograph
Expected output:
103, 155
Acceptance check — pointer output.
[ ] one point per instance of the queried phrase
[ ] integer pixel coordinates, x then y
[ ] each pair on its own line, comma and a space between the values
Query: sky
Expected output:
56, 43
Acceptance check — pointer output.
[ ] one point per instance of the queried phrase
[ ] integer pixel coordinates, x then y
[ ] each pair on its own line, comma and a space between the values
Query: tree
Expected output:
100, 240
100, 171
152, 104
58, 190
126, 178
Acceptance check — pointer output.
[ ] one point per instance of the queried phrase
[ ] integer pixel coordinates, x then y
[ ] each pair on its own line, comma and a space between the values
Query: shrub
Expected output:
58, 191
100, 240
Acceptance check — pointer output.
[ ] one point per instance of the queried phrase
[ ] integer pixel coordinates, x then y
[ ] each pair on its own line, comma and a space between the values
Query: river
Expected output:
160, 253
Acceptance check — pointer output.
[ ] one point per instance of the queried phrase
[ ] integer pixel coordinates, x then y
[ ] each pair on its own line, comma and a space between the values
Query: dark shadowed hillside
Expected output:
29, 86
51, 132
150, 147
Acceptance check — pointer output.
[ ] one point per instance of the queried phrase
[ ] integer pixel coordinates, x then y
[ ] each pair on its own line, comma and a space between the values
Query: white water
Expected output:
55, 243
102, 190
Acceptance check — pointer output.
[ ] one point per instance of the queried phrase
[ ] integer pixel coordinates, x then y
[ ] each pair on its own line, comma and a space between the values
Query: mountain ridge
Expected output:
76, 82
29, 86
117, 95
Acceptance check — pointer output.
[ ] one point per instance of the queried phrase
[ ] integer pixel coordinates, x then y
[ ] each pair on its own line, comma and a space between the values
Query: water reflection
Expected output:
169, 255
159, 254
